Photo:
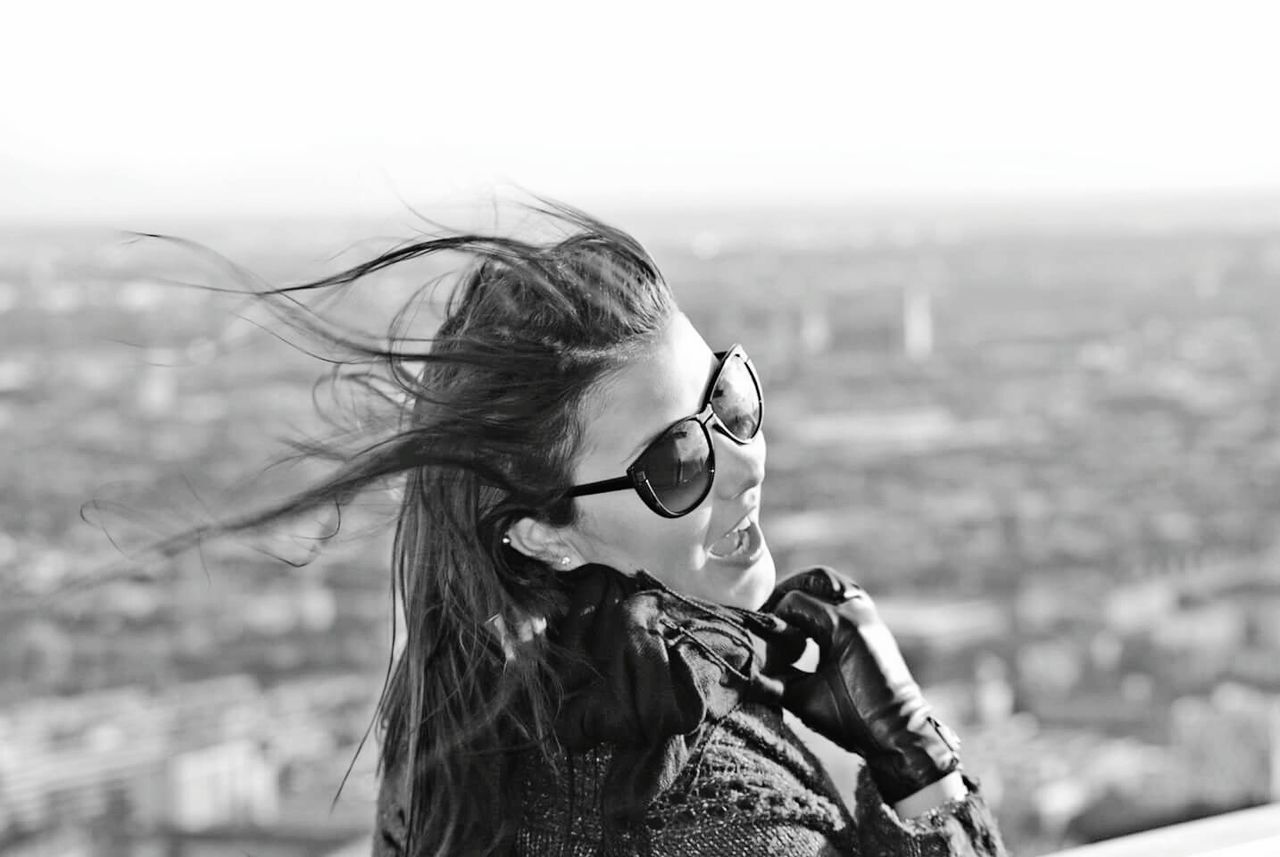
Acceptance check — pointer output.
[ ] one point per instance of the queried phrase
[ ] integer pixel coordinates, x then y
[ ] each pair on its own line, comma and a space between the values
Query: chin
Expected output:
755, 586
764, 579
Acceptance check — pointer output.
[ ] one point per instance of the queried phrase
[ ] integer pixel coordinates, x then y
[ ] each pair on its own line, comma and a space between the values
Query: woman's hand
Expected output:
862, 695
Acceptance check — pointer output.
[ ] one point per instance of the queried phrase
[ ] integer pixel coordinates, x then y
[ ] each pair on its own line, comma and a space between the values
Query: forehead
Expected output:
664, 382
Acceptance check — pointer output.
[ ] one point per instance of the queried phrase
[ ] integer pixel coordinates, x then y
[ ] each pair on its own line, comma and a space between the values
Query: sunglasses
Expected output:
674, 473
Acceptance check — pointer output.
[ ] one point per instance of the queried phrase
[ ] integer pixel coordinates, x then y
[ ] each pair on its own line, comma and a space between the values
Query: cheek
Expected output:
666, 545
683, 539
630, 539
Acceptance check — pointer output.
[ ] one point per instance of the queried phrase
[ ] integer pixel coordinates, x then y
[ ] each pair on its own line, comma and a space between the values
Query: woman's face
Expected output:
692, 554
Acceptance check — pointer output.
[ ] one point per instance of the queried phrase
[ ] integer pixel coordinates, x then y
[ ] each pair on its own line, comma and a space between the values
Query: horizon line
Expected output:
872, 203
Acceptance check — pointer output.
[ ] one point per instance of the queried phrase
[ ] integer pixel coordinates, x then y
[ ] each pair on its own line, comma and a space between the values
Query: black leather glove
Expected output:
862, 695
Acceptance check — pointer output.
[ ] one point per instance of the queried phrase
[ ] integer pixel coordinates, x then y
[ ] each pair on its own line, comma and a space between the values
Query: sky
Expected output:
121, 108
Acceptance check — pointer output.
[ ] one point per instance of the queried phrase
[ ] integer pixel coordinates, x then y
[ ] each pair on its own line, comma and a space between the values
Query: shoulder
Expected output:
749, 787
752, 782
751, 762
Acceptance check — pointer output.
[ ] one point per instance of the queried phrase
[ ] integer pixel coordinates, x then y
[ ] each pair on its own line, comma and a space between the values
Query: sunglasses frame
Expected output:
636, 477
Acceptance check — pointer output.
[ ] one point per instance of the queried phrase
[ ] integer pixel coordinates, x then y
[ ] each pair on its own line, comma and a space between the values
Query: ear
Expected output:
542, 541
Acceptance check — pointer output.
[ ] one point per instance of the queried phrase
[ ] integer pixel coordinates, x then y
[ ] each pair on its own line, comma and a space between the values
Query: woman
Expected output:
597, 651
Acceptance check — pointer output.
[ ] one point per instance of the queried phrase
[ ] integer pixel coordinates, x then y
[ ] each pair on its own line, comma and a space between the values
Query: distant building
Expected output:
917, 323
60, 842
815, 330
231, 783
1228, 739
993, 693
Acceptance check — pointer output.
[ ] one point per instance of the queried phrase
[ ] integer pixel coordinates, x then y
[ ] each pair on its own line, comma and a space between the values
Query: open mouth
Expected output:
743, 541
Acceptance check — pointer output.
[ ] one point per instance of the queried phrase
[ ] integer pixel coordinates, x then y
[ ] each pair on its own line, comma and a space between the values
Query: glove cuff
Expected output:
914, 760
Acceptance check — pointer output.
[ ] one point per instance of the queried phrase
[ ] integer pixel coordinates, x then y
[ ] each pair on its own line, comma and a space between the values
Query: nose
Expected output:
739, 466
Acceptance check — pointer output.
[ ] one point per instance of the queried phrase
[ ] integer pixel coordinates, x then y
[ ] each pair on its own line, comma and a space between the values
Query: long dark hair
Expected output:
486, 432
492, 437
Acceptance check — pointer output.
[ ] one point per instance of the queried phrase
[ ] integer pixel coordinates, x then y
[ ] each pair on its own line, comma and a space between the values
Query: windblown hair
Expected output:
487, 433
491, 439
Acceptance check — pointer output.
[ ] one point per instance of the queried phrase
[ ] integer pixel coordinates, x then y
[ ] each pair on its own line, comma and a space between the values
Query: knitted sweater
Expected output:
749, 789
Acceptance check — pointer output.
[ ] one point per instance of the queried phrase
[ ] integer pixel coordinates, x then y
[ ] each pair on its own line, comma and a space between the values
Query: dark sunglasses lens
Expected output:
677, 466
736, 398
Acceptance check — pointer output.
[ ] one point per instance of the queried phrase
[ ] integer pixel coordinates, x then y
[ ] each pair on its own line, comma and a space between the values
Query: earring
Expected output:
564, 560
506, 540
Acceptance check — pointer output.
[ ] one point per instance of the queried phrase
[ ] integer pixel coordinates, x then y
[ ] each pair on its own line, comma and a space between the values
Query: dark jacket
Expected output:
730, 779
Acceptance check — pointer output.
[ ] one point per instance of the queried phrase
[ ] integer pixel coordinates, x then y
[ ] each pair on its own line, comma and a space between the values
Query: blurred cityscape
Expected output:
1052, 452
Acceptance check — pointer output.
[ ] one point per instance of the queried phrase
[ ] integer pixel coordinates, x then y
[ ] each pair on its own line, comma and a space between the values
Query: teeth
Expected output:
734, 541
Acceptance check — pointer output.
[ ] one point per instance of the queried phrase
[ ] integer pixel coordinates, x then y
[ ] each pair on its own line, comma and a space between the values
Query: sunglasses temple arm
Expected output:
603, 487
